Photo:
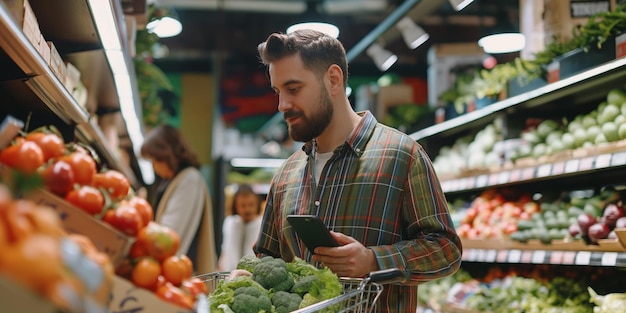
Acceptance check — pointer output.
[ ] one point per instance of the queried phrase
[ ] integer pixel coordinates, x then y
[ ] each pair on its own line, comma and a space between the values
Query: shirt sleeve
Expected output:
435, 251
183, 209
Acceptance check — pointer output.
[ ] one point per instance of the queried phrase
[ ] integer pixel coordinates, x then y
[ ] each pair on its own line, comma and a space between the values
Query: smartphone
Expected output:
312, 231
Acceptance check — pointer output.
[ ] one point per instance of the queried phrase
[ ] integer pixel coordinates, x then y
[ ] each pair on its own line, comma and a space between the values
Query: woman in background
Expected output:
241, 228
181, 196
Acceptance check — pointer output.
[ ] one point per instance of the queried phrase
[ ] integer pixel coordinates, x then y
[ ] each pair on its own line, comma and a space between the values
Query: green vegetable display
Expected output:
275, 286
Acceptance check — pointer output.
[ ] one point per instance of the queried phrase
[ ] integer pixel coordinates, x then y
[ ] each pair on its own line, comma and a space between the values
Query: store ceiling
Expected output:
232, 29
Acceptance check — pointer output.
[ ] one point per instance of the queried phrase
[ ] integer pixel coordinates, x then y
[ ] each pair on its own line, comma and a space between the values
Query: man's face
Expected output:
302, 97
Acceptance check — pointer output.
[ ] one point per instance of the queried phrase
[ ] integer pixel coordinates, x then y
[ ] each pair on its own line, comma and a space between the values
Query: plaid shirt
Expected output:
380, 188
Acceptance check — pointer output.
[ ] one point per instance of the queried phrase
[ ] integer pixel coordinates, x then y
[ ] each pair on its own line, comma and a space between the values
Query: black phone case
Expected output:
312, 231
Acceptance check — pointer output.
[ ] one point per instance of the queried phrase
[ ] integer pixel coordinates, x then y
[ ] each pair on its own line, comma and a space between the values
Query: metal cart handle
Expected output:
387, 276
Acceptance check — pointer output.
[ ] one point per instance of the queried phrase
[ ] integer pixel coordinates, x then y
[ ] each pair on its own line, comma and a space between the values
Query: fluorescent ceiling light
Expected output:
460, 4
413, 35
383, 59
503, 43
256, 162
165, 27
329, 29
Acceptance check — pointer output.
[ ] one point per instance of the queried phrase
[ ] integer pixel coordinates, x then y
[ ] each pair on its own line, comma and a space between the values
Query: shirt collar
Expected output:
359, 136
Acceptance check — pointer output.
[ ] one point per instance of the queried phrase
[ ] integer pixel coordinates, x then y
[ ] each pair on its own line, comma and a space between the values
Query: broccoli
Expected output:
251, 300
223, 296
248, 262
304, 285
272, 273
285, 302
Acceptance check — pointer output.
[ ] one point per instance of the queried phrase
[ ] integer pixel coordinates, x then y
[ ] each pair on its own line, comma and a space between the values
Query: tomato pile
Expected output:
38, 253
72, 172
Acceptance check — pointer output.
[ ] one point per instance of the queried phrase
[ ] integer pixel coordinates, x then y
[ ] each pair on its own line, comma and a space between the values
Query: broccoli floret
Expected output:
285, 302
248, 262
272, 273
303, 285
251, 300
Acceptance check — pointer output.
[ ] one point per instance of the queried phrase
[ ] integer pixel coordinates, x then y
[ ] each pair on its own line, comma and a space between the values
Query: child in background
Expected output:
241, 228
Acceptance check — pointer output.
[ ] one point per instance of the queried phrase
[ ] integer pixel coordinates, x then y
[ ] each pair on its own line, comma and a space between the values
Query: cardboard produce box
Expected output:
106, 238
126, 297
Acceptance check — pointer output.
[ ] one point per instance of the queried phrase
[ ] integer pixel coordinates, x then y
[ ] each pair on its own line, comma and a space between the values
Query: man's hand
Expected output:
350, 259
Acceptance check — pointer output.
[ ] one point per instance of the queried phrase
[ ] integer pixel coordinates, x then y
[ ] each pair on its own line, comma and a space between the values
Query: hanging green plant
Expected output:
150, 78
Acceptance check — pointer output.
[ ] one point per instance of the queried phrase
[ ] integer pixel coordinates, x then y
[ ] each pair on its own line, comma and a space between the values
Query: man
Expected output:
372, 185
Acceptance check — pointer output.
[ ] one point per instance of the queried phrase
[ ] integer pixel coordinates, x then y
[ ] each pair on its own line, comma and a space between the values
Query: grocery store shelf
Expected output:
556, 257
45, 85
576, 89
587, 166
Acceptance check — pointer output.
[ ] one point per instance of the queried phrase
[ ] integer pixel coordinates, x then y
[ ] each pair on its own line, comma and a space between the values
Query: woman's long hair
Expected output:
165, 143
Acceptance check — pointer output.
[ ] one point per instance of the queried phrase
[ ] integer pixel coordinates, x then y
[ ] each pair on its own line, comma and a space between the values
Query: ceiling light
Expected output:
165, 27
329, 29
413, 35
313, 20
460, 4
503, 43
384, 59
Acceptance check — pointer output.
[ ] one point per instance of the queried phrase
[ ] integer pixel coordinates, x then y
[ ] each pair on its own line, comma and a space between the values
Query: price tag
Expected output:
503, 177
515, 256
502, 254
571, 166
480, 255
527, 256
609, 259
568, 257
603, 160
445, 186
558, 168
539, 257
620, 46
544, 170
528, 173
491, 256
481, 181
582, 258
493, 179
618, 159
556, 257
586, 164
470, 182
516, 175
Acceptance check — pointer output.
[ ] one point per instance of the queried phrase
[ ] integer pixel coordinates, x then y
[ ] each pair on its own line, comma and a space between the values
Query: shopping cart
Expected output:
359, 295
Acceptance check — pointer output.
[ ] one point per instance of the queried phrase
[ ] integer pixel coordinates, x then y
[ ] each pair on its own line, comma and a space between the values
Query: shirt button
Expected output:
317, 203
358, 150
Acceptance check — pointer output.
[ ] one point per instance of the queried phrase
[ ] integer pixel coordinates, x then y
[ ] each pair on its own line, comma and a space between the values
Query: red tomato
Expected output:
125, 219
58, 177
87, 198
175, 295
174, 270
143, 207
24, 156
194, 286
159, 241
146, 273
51, 144
83, 165
114, 182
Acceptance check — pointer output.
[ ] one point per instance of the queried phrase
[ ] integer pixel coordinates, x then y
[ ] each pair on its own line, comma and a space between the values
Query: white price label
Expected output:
481, 181
582, 258
503, 177
539, 257
603, 160
572, 166
544, 170
618, 159
491, 255
515, 256
609, 258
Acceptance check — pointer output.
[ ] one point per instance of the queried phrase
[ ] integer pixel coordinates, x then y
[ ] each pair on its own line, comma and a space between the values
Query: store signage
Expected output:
588, 8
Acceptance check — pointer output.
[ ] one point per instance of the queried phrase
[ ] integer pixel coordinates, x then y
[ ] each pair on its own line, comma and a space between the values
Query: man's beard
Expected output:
312, 126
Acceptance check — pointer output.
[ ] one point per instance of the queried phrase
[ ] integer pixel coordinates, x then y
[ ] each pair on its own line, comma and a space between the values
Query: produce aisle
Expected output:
537, 191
